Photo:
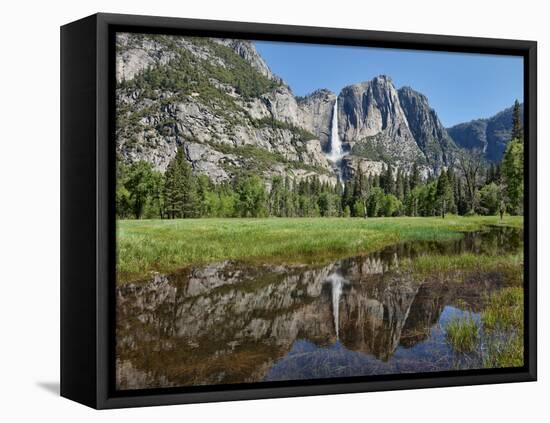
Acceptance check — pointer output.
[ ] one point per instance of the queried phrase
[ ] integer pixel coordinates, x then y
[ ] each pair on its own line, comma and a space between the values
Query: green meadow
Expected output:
145, 246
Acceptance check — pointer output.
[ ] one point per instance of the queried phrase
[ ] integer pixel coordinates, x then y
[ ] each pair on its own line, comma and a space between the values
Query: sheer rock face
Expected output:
373, 127
372, 122
316, 114
282, 106
426, 128
488, 135
381, 124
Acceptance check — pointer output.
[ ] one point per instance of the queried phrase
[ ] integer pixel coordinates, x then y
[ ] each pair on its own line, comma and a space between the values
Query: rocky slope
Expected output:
380, 124
219, 101
489, 135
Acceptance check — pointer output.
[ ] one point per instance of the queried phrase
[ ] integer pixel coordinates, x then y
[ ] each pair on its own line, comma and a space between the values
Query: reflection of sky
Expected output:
305, 360
459, 86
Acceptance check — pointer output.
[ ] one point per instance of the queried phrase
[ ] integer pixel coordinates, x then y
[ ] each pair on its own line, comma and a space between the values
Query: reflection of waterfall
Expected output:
336, 283
336, 152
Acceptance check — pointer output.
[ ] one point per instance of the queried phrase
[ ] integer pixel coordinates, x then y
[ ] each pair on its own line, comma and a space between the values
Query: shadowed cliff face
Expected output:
488, 135
426, 128
231, 322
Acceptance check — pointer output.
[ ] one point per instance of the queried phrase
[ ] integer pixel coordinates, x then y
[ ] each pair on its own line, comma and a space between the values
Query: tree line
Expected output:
470, 186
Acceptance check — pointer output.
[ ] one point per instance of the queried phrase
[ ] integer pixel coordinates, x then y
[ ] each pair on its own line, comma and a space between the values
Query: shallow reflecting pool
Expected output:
232, 322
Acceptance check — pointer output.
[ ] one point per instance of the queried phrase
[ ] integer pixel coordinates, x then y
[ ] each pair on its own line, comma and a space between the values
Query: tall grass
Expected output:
503, 322
430, 264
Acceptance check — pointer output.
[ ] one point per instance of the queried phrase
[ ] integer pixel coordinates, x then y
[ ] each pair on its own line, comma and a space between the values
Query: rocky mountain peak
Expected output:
320, 94
372, 122
427, 129
247, 50
414, 95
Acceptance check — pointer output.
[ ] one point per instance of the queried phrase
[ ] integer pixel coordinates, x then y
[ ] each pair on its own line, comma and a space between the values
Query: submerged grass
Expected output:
463, 334
167, 245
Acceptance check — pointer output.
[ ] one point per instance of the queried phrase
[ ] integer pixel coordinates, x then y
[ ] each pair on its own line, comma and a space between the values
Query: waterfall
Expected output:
336, 152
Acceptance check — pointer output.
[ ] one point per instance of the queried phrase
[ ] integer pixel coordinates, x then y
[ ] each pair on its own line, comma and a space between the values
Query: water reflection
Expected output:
232, 323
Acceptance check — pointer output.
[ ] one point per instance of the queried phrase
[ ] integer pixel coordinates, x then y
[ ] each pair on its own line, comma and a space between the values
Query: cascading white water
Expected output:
336, 283
336, 152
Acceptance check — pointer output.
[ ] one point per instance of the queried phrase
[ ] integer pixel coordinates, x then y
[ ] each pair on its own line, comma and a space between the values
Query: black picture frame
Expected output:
88, 223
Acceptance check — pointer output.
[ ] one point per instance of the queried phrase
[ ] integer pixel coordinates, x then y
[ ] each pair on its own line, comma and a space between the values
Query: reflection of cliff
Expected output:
229, 322
373, 314
215, 326
424, 313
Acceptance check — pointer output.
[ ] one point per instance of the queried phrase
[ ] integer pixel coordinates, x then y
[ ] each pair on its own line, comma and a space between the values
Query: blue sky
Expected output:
460, 87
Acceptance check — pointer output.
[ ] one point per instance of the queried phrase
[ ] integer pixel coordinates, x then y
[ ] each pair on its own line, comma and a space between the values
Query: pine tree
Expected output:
275, 197
406, 191
171, 189
512, 170
389, 183
347, 196
443, 193
358, 191
414, 180
517, 128
188, 190
511, 167
399, 185
180, 191
338, 194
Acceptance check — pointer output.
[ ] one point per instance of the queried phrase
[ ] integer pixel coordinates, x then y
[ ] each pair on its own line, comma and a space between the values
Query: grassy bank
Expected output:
503, 321
509, 264
167, 245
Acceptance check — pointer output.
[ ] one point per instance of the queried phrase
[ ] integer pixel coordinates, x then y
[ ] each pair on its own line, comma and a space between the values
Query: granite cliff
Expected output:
219, 101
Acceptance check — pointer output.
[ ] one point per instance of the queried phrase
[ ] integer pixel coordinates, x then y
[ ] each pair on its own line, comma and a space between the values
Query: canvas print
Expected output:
291, 212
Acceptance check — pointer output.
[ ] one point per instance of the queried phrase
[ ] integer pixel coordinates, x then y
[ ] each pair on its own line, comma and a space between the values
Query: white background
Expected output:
29, 212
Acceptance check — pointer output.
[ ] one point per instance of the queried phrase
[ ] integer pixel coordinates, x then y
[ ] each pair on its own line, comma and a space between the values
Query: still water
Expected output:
231, 322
